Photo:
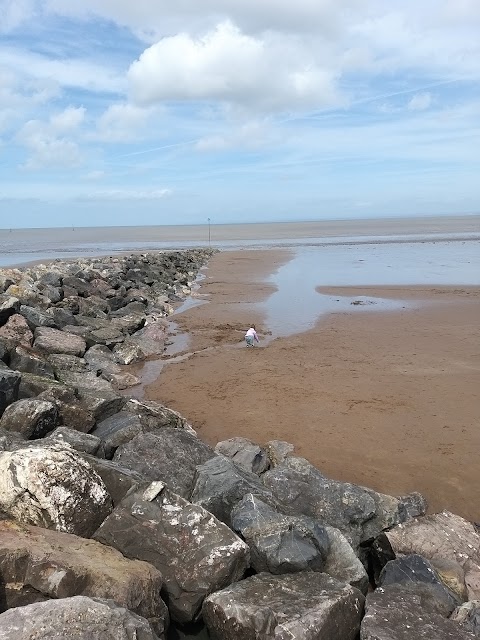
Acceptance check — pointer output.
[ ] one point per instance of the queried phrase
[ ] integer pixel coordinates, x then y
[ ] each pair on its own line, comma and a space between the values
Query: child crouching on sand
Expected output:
251, 337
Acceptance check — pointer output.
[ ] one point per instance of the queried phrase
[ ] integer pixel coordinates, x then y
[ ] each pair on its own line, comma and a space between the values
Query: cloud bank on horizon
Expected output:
121, 113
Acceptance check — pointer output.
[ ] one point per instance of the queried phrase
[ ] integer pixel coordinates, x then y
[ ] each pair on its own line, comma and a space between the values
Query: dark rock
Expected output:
117, 430
36, 317
9, 386
245, 454
61, 565
168, 454
28, 360
195, 553
11, 440
75, 618
359, 513
220, 484
438, 538
414, 571
280, 544
127, 309
52, 487
31, 418
82, 287
62, 317
4, 351
93, 307
302, 605
9, 305
129, 323
394, 613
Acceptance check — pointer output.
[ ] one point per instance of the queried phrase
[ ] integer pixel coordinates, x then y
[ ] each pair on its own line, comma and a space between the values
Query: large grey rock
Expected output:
301, 606
52, 487
82, 442
278, 543
468, 614
154, 415
148, 341
36, 317
81, 286
394, 613
343, 563
9, 386
16, 331
102, 403
31, 418
168, 454
195, 553
64, 362
245, 454
101, 360
77, 618
71, 411
117, 430
108, 336
29, 361
359, 513
54, 341
32, 385
36, 564
220, 484
438, 538
417, 574
62, 317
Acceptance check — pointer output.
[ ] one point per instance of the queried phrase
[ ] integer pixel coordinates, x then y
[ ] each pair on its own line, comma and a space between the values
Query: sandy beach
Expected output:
388, 400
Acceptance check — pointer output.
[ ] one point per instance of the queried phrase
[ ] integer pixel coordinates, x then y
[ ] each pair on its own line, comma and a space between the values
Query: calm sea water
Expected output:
437, 251
18, 246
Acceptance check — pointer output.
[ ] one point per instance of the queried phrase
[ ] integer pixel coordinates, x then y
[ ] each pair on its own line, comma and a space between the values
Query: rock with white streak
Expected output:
53, 487
195, 553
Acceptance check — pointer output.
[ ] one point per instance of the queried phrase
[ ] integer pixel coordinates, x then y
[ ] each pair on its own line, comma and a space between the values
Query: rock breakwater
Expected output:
117, 521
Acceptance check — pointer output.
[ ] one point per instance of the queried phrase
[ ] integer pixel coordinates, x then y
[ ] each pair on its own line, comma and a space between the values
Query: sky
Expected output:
115, 112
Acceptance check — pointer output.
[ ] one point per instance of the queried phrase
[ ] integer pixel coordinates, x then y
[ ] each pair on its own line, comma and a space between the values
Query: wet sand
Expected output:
388, 400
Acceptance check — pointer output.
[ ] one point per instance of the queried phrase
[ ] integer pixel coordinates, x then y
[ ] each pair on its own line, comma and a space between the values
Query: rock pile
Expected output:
118, 522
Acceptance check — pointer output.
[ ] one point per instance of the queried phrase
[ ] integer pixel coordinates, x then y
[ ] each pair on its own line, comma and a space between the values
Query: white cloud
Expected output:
229, 66
123, 122
44, 142
420, 101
